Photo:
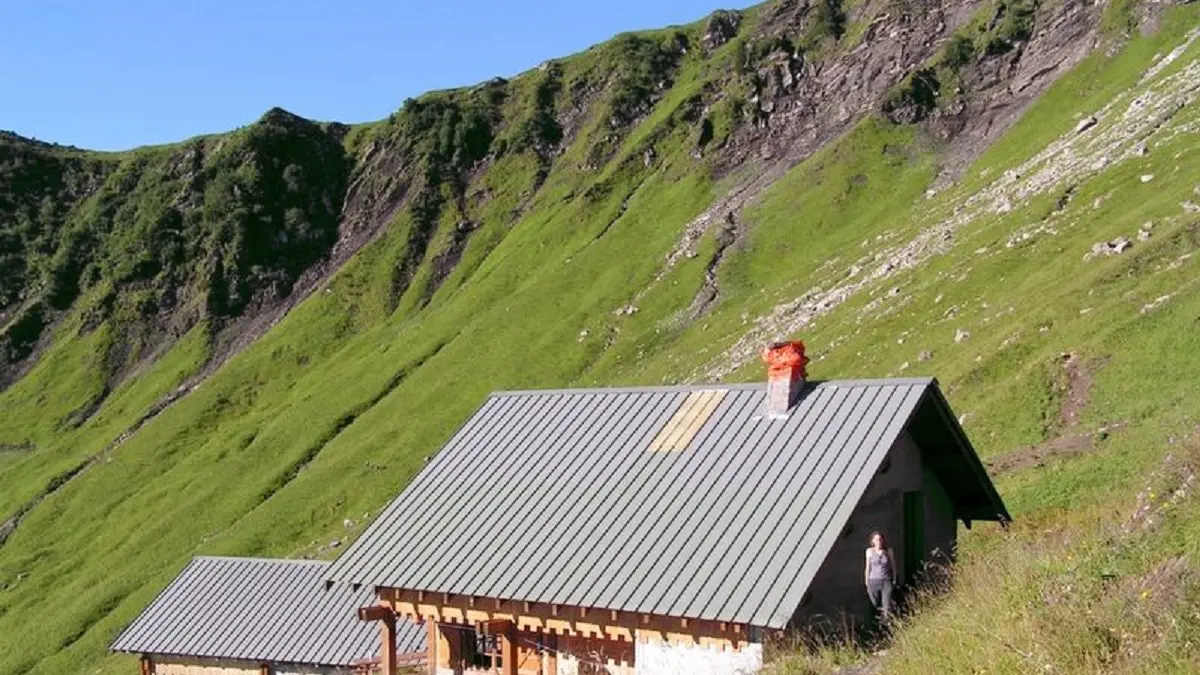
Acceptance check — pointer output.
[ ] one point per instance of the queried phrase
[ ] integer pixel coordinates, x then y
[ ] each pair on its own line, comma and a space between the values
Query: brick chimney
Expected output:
785, 376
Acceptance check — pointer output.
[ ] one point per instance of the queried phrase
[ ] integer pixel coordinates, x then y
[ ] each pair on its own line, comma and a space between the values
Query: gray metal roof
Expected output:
669, 501
261, 610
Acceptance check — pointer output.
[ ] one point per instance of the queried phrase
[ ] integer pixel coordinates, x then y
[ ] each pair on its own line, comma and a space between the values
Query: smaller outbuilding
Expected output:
233, 616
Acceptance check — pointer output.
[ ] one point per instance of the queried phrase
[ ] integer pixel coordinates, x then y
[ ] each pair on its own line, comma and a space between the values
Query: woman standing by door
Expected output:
880, 573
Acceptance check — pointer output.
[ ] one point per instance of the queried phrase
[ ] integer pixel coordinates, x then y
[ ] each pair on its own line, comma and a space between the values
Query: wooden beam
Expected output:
376, 613
496, 626
146, 665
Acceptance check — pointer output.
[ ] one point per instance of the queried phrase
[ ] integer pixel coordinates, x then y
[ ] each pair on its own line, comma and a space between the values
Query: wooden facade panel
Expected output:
205, 667
597, 655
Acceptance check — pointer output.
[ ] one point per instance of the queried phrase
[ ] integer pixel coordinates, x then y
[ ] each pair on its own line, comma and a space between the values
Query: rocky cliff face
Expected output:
234, 230
154, 241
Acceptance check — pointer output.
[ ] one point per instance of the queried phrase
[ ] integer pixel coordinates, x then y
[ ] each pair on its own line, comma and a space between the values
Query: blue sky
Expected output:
121, 73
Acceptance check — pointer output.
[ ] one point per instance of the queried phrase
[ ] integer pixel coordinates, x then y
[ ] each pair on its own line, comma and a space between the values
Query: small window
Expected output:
479, 649
487, 651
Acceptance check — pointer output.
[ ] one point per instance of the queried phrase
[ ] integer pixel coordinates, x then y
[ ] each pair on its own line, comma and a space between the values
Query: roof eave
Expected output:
255, 661
998, 511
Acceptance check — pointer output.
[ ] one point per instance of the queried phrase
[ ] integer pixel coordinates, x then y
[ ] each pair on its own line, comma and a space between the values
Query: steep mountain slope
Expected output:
245, 344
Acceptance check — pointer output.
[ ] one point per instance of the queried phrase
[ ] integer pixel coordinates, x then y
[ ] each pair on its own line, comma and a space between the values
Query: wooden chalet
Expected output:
664, 529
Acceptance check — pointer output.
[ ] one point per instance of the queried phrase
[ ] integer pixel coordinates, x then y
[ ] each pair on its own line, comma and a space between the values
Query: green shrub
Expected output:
641, 65
959, 51
830, 18
914, 98
18, 340
739, 56
540, 129
1119, 18
827, 21
1013, 23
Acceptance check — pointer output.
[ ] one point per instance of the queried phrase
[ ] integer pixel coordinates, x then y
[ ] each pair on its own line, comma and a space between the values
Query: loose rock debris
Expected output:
1155, 304
1130, 120
1107, 248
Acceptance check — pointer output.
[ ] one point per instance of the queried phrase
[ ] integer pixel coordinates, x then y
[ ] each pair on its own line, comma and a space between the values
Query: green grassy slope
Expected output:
1097, 460
543, 265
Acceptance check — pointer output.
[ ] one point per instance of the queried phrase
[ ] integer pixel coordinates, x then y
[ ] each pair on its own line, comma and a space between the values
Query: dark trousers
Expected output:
880, 592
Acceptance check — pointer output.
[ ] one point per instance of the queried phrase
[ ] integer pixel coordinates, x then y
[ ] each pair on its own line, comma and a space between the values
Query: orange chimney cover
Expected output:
786, 359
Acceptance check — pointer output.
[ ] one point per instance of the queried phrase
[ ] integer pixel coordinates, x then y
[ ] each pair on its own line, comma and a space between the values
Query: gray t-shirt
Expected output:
879, 565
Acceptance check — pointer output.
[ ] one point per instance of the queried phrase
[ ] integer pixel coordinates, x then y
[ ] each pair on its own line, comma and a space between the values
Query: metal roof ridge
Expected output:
289, 561
630, 389
701, 386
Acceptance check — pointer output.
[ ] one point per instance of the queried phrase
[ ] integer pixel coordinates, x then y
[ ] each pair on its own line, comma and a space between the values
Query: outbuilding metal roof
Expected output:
277, 611
677, 501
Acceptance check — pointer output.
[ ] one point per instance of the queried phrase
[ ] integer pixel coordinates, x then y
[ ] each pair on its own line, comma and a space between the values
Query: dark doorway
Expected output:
914, 535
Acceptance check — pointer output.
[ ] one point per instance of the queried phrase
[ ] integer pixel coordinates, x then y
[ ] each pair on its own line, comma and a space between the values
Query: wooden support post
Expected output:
387, 635
387, 646
551, 642
508, 650
146, 665
432, 635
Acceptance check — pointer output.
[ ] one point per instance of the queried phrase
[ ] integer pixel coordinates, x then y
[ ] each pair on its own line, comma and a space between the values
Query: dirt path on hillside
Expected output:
1078, 388
1075, 385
